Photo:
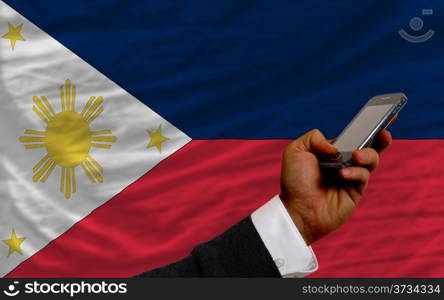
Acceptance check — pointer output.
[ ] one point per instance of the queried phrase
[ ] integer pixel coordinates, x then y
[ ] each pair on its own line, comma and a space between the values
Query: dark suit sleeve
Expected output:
238, 252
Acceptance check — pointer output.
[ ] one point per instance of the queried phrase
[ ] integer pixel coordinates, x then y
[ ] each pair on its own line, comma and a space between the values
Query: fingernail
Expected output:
363, 155
346, 172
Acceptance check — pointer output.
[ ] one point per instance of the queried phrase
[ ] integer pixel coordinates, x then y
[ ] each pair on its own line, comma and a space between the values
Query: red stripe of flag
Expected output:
209, 185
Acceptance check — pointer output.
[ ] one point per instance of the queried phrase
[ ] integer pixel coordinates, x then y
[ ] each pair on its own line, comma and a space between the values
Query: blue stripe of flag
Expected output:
258, 69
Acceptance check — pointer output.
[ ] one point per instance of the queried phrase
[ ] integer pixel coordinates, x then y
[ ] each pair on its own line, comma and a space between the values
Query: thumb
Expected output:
314, 141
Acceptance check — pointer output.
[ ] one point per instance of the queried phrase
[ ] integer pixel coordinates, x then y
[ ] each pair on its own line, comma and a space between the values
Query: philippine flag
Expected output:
130, 131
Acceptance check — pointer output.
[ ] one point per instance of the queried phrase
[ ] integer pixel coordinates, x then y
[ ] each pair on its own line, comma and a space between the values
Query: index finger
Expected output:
366, 157
383, 140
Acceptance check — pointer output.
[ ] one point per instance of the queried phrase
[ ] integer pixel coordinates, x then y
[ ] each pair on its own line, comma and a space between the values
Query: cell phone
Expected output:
377, 114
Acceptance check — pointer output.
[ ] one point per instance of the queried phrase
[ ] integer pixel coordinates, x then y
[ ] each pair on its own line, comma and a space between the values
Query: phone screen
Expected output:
361, 127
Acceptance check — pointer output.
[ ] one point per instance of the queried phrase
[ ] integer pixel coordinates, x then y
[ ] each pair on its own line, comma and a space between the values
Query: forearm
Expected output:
238, 252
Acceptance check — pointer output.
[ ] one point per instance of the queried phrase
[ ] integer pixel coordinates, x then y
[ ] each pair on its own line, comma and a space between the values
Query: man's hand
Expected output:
318, 209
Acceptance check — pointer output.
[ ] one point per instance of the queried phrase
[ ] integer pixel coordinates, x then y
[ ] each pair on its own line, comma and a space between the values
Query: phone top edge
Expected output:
387, 99
397, 100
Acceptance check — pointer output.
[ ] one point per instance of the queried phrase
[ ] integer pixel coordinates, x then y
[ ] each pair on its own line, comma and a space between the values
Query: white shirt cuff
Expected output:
280, 235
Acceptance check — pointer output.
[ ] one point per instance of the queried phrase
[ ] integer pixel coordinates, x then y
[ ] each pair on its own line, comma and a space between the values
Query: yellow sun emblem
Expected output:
67, 139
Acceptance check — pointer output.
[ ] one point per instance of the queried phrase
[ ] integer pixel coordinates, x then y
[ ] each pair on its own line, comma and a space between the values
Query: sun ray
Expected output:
62, 180
96, 104
38, 165
68, 94
51, 109
42, 170
32, 146
29, 131
95, 163
68, 183
42, 107
73, 99
88, 104
110, 139
39, 114
73, 178
62, 96
32, 139
101, 132
94, 171
85, 170
49, 172
96, 114
105, 146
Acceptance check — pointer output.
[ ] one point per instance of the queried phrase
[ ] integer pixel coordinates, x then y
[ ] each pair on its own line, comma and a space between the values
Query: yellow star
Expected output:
14, 243
14, 34
157, 139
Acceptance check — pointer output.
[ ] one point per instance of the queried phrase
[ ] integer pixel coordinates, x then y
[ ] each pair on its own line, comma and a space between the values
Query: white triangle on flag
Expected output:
35, 71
